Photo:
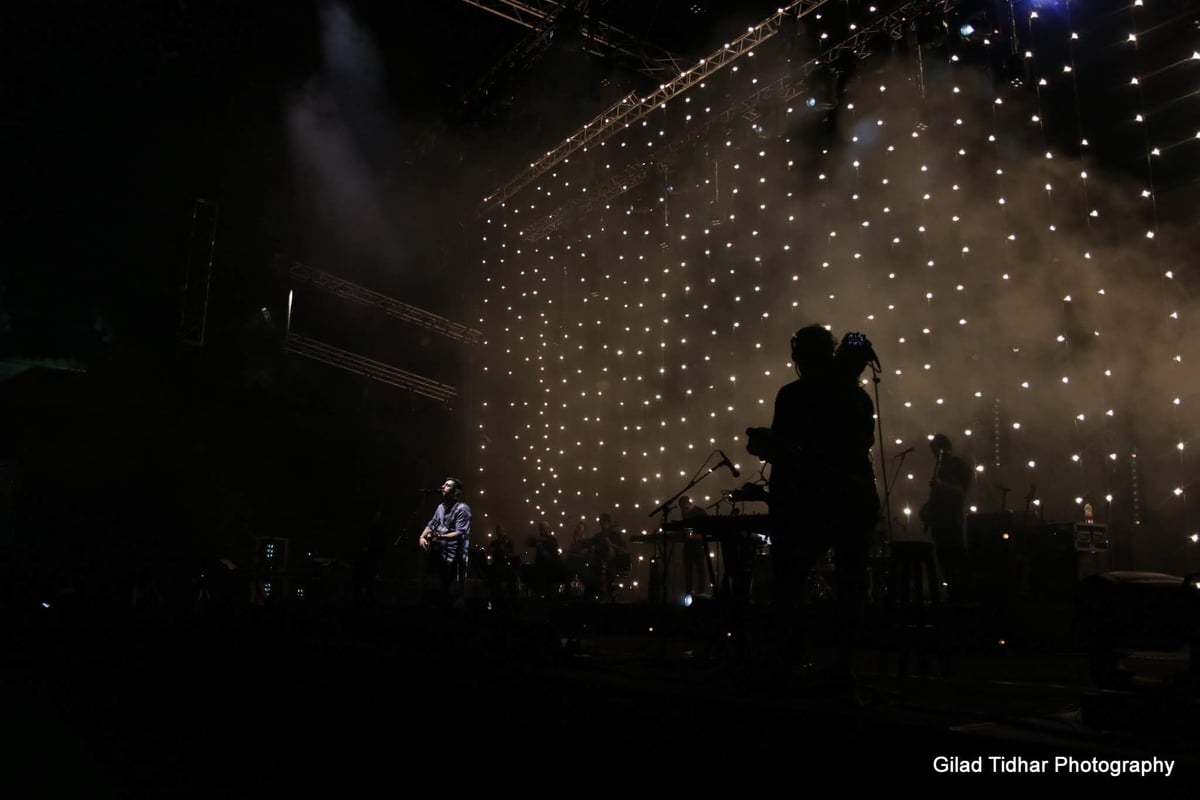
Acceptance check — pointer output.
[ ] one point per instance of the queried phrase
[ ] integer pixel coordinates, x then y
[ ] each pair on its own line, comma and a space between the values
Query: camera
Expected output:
855, 353
854, 340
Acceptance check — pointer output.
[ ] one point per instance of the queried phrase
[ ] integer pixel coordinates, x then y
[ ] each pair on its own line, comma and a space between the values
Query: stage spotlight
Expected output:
966, 29
687, 601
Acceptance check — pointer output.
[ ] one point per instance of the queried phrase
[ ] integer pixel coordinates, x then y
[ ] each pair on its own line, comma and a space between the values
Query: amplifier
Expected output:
1090, 537
1008, 556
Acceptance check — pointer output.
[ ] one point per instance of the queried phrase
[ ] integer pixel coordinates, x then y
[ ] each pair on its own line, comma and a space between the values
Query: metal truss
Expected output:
527, 13
522, 54
891, 22
599, 38
631, 108
14, 365
634, 174
393, 308
858, 43
375, 370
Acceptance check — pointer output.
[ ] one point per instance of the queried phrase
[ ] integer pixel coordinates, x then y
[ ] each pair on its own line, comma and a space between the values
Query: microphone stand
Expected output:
899, 469
422, 560
887, 489
888, 533
1004, 490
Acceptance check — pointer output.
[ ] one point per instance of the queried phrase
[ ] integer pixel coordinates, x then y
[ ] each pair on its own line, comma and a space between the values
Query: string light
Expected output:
986, 260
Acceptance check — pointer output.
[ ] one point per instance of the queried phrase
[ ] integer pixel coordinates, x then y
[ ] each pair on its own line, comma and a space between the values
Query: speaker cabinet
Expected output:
1011, 557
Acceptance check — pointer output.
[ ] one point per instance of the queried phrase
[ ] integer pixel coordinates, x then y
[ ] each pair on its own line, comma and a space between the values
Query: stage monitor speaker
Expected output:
1033, 560
1090, 537
1052, 560
1138, 610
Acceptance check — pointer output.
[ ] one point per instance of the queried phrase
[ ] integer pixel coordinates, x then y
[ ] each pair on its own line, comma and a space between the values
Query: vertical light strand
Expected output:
1080, 454
1013, 277
1168, 323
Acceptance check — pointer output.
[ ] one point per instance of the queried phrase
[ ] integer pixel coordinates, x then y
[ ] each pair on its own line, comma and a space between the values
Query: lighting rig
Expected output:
599, 38
631, 108
858, 44
361, 365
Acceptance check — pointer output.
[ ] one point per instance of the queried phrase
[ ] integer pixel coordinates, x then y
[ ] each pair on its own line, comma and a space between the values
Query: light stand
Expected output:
414, 520
887, 489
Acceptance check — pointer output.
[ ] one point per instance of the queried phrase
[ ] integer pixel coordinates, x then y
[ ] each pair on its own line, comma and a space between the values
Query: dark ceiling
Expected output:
118, 118
121, 116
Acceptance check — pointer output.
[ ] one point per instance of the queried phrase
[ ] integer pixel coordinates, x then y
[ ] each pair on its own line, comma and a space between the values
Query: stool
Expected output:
913, 618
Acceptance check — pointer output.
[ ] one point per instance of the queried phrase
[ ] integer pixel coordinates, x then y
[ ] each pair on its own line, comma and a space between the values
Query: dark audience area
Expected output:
331, 696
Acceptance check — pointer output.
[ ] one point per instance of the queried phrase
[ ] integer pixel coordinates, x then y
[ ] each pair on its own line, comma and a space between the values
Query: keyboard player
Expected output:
696, 573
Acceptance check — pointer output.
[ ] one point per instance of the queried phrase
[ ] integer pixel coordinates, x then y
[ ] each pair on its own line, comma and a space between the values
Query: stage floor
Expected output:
555, 696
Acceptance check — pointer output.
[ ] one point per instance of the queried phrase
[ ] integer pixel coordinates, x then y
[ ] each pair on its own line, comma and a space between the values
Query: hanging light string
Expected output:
1015, 276
1083, 445
1171, 320
920, 126
1012, 278
569, 396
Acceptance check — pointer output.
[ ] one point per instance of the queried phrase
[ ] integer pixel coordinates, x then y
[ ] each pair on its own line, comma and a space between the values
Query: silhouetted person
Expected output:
500, 570
611, 553
581, 560
944, 514
447, 538
695, 550
547, 570
822, 488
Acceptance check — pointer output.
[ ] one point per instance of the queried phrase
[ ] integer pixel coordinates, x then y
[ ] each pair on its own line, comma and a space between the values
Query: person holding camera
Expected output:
822, 491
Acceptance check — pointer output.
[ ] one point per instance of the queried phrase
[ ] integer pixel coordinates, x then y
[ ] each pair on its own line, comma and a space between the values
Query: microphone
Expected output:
429, 491
725, 462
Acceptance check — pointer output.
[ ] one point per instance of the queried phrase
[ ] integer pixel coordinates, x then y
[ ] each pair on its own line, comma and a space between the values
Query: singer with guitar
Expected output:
447, 538
944, 517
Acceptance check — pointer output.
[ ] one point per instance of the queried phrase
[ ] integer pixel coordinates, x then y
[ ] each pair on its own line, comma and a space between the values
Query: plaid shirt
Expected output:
446, 519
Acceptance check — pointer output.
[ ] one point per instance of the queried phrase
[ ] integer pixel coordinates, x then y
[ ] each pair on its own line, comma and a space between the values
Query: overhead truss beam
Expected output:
631, 108
522, 54
370, 368
599, 38
526, 13
345, 289
858, 42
